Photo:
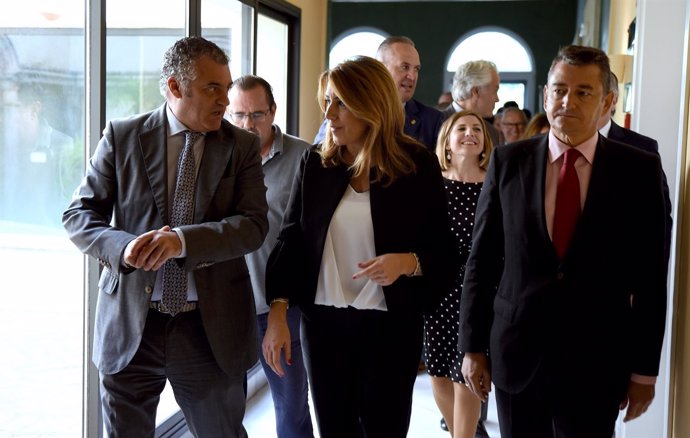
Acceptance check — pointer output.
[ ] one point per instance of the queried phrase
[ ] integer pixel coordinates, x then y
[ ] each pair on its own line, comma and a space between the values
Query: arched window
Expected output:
358, 41
512, 57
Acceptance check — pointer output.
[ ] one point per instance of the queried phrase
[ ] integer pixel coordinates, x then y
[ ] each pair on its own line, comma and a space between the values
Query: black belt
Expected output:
188, 307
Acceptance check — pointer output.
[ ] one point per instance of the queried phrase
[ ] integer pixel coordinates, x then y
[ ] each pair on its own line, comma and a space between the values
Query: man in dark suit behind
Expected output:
572, 318
400, 56
175, 300
610, 129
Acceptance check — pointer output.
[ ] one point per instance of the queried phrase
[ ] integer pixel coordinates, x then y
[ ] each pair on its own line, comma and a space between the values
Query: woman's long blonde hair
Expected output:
444, 138
366, 88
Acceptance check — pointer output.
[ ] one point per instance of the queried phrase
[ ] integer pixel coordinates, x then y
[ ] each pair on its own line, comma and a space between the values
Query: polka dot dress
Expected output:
441, 326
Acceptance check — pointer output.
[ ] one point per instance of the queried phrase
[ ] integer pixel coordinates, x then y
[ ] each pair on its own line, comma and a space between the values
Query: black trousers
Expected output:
362, 365
174, 349
556, 407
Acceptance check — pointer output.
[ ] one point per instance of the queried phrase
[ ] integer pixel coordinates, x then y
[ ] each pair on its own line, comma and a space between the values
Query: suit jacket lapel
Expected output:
218, 149
533, 178
152, 142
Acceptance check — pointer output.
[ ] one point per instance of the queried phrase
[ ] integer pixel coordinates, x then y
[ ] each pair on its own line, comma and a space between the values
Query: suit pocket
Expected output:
108, 281
504, 308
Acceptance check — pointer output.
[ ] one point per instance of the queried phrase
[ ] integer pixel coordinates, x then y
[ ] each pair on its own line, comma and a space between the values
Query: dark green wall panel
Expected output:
544, 25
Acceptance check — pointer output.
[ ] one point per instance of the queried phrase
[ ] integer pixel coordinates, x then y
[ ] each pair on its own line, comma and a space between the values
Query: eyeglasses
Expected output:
513, 125
256, 116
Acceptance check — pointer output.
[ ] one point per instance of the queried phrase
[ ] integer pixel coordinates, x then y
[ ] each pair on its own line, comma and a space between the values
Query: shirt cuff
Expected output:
644, 380
183, 250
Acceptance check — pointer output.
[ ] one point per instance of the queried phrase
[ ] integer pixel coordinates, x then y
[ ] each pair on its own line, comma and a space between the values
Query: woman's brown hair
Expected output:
444, 136
367, 89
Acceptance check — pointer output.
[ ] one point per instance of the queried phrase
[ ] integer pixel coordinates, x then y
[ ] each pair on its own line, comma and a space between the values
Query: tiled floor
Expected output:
260, 422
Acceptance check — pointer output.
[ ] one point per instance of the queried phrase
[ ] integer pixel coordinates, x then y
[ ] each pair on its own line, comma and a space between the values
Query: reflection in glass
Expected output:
271, 62
229, 25
41, 161
135, 47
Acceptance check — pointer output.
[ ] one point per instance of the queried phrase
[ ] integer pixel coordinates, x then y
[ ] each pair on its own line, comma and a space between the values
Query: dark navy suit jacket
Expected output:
605, 299
618, 133
423, 123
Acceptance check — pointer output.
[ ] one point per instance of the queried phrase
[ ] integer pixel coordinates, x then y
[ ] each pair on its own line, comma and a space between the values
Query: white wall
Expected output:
657, 109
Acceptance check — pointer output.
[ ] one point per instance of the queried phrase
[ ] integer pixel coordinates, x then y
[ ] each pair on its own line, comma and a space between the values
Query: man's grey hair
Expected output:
470, 75
512, 109
613, 83
388, 42
179, 61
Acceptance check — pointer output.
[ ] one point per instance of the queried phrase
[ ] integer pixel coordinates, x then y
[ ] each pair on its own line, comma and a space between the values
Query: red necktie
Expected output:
567, 210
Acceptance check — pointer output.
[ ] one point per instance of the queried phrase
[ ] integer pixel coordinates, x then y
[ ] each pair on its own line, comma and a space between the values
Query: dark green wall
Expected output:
435, 27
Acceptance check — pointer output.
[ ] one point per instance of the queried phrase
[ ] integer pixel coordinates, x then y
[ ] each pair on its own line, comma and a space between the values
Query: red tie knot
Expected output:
571, 156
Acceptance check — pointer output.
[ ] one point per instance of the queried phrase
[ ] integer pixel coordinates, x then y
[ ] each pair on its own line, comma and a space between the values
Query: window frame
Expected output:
291, 16
95, 114
528, 78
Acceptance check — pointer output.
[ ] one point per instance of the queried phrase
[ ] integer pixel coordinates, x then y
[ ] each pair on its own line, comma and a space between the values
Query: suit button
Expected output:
148, 289
560, 276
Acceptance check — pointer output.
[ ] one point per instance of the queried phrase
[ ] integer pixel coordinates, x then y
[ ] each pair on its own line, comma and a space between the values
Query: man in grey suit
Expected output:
475, 88
197, 330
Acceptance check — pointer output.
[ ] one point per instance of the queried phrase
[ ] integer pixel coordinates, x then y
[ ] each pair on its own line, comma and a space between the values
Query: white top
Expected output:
349, 241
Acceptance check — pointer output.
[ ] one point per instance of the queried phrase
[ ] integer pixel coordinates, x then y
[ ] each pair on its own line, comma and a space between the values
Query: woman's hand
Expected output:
386, 268
277, 338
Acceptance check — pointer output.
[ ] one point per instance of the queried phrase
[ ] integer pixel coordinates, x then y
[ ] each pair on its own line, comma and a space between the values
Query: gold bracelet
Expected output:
281, 300
418, 266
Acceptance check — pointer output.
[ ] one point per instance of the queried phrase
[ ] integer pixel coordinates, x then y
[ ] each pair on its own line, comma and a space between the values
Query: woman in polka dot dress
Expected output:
463, 149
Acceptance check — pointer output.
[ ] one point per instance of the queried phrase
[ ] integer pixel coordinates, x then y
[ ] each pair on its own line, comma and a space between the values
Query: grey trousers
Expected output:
174, 349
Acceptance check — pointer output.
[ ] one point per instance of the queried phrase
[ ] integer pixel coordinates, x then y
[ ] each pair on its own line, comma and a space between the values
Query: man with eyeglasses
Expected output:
400, 56
252, 107
513, 123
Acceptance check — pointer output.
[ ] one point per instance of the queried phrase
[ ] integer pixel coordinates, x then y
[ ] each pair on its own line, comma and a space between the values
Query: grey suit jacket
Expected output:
279, 173
124, 194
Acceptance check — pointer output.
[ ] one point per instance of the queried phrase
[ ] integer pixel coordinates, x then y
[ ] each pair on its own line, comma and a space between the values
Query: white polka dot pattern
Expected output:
441, 326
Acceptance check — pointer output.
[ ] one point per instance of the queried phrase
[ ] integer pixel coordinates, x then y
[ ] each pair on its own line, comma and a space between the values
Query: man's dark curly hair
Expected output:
178, 61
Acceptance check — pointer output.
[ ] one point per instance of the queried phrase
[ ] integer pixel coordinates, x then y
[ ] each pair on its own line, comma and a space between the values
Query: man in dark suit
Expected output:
400, 56
475, 88
565, 286
610, 129
171, 202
